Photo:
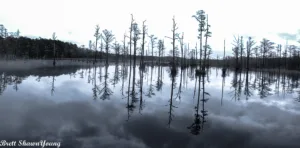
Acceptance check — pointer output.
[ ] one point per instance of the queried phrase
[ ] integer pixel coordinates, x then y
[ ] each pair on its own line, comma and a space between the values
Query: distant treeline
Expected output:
39, 48
280, 63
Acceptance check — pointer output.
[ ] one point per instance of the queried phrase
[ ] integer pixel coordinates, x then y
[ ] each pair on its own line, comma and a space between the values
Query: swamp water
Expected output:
117, 106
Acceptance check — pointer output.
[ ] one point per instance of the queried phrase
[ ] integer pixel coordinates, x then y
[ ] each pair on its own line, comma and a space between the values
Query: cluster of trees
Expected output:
12, 47
264, 54
16, 46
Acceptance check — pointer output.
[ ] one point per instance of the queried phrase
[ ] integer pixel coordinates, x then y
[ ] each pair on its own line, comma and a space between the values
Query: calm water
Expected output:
100, 107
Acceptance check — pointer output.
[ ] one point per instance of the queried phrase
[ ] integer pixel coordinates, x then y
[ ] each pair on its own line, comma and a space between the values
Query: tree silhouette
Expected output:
54, 49
97, 36
108, 37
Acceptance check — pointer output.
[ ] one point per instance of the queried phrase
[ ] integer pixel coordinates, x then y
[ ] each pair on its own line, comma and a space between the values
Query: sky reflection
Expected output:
73, 116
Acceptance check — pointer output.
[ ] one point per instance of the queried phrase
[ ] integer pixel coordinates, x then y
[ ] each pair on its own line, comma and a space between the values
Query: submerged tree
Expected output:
173, 70
181, 47
250, 44
266, 47
97, 36
54, 50
117, 48
152, 41
136, 33
108, 37
161, 48
207, 49
236, 51
143, 45
200, 17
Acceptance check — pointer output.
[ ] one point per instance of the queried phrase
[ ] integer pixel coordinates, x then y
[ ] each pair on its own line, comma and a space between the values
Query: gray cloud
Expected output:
288, 36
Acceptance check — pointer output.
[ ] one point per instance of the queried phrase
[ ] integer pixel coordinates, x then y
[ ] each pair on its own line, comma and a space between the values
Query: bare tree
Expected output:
108, 37
236, 51
173, 43
54, 51
279, 54
97, 36
200, 17
181, 46
161, 48
117, 48
250, 44
130, 37
266, 47
241, 52
152, 41
143, 44
206, 46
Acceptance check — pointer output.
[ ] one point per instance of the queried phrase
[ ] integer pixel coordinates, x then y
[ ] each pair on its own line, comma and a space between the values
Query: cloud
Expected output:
288, 36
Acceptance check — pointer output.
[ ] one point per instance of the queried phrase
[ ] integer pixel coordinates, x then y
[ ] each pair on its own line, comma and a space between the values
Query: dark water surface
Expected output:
94, 107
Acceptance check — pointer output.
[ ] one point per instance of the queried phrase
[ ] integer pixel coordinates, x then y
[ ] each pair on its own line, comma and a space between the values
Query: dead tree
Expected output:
200, 17
173, 44
250, 44
97, 37
206, 46
54, 50
143, 44
108, 37
152, 40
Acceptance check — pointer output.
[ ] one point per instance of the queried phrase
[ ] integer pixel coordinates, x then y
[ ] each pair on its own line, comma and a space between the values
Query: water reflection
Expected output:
173, 86
251, 102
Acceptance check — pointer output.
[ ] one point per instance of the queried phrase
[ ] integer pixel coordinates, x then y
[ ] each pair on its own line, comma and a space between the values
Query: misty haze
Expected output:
151, 74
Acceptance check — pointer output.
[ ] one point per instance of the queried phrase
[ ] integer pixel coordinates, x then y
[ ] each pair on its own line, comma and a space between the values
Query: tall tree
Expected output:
54, 50
108, 37
206, 46
143, 44
161, 48
136, 33
181, 46
200, 17
236, 51
152, 41
250, 44
266, 47
130, 37
241, 52
279, 54
97, 36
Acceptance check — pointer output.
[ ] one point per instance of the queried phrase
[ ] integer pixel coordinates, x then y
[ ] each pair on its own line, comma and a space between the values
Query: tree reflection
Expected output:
105, 92
199, 120
234, 84
141, 83
95, 89
150, 91
116, 77
173, 74
3, 83
264, 89
52, 85
159, 82
247, 90
223, 84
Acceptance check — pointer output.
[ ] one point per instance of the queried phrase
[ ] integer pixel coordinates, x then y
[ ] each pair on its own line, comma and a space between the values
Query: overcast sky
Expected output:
75, 20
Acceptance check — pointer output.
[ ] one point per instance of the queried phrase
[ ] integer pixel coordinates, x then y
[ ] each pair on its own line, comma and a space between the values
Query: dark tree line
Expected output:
13, 47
